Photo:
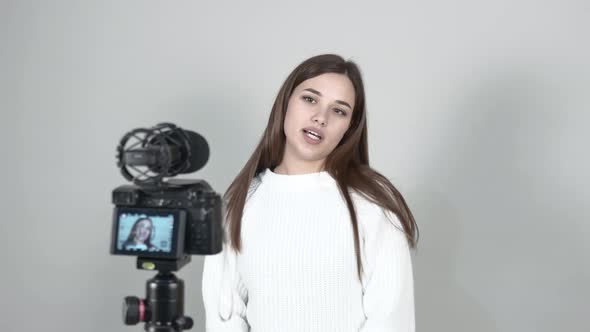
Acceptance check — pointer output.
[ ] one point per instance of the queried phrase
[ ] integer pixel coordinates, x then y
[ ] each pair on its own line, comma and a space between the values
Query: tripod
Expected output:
163, 308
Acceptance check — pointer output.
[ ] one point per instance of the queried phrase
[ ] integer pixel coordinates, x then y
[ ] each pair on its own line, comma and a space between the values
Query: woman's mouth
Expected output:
311, 137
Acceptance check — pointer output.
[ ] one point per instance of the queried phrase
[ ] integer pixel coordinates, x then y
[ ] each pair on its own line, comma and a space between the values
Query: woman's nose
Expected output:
321, 122
320, 118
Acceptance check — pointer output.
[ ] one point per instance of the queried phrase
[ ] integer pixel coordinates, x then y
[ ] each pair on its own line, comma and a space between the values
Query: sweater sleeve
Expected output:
388, 286
224, 295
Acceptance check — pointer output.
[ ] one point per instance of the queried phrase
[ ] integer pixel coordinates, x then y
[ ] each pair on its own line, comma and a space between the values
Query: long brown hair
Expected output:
348, 163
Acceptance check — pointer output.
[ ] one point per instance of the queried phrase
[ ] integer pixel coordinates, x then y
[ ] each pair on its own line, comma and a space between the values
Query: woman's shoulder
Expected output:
254, 184
362, 204
371, 214
252, 193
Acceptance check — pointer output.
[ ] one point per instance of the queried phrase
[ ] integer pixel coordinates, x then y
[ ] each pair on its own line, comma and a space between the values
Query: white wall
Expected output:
478, 113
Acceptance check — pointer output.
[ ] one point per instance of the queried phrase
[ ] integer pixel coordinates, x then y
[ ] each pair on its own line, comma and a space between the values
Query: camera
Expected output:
163, 221
181, 218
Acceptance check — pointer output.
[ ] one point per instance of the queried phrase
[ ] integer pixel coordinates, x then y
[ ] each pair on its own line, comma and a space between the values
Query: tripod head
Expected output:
162, 310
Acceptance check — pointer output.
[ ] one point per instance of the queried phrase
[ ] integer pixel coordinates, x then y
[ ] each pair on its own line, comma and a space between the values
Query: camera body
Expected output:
172, 220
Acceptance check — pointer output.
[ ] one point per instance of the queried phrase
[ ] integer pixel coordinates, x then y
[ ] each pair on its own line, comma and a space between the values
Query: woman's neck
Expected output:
284, 169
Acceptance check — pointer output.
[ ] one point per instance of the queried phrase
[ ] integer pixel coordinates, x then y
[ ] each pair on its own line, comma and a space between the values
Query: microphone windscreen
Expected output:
199, 154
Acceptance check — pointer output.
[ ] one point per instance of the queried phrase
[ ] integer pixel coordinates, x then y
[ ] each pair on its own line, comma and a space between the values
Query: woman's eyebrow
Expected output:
320, 94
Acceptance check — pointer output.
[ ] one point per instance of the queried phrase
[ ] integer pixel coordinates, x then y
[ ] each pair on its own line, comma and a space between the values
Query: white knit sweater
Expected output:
297, 269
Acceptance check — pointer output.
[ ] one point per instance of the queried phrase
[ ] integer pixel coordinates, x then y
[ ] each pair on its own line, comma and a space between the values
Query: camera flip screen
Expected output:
148, 232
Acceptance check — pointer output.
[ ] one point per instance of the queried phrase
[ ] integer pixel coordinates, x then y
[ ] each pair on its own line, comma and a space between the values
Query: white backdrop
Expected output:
478, 113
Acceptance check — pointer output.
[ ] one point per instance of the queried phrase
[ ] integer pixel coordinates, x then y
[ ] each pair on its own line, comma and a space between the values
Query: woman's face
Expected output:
143, 231
322, 104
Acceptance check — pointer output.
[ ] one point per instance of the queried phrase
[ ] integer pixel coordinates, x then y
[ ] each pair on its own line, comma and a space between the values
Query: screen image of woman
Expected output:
140, 236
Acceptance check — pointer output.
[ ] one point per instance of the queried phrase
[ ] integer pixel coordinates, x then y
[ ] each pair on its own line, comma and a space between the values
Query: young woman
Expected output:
140, 236
317, 240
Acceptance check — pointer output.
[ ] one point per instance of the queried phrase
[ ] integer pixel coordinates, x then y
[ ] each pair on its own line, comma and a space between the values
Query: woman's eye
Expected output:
309, 99
341, 112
